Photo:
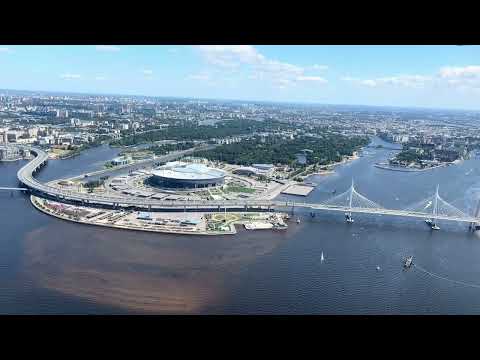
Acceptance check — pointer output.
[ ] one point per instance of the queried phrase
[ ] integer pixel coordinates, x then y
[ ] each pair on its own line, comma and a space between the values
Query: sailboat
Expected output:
322, 258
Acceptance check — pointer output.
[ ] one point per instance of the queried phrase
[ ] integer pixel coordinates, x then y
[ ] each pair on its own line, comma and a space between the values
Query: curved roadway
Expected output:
25, 176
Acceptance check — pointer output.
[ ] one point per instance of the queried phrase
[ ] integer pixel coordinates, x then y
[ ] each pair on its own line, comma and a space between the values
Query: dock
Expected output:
298, 189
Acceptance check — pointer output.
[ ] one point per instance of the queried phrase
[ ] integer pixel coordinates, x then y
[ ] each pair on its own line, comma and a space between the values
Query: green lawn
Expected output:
239, 189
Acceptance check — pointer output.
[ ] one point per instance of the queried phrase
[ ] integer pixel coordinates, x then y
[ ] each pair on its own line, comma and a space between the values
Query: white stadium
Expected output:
178, 174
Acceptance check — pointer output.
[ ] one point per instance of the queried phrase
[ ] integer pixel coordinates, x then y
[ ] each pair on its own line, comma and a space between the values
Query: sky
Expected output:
417, 76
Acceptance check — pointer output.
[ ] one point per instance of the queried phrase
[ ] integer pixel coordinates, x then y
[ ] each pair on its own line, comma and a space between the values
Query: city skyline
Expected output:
441, 77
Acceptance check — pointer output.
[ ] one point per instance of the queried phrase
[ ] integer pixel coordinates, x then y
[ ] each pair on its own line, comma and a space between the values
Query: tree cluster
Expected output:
189, 131
276, 150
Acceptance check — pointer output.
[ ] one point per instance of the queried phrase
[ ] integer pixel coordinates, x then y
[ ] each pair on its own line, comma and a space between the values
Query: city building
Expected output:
264, 167
121, 160
246, 171
8, 153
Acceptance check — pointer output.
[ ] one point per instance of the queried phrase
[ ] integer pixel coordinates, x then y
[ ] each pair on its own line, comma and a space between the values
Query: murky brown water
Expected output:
51, 266
139, 271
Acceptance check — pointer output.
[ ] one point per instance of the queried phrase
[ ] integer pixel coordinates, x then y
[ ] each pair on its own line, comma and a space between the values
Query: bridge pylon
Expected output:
348, 214
474, 226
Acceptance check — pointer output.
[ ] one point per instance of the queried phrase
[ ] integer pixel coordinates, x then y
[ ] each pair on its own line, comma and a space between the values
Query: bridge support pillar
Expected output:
474, 225
348, 217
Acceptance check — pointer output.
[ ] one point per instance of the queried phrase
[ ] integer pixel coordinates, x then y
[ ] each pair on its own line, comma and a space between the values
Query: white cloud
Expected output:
319, 67
470, 71
70, 76
173, 50
371, 83
312, 78
147, 72
462, 77
411, 81
5, 50
235, 57
108, 48
100, 78
466, 77
230, 55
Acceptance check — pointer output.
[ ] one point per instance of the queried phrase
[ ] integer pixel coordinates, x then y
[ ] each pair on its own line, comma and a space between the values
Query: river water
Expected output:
50, 266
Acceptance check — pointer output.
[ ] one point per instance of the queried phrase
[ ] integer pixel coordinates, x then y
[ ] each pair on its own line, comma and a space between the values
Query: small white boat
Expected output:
258, 225
298, 221
378, 268
322, 258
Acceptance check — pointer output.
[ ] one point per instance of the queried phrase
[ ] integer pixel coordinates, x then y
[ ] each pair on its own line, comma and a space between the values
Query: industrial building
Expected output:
183, 175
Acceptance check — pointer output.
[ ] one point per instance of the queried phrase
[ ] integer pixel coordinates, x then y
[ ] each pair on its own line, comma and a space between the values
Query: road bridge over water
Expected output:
433, 207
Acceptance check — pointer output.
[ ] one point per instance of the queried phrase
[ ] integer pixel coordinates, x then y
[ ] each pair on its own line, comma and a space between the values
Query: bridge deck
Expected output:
392, 212
25, 176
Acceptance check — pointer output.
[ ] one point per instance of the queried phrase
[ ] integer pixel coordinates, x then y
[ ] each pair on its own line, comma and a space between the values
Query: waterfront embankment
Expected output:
187, 223
406, 169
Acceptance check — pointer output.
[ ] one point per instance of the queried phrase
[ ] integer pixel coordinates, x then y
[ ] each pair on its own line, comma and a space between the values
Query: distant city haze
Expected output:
439, 77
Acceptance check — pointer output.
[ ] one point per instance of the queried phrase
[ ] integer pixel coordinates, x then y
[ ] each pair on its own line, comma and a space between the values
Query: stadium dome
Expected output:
183, 175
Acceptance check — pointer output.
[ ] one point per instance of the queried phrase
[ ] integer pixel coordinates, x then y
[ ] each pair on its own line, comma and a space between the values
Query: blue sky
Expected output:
424, 76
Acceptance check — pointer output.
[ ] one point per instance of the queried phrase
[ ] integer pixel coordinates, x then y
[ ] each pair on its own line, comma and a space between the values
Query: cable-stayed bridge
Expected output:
431, 208
351, 201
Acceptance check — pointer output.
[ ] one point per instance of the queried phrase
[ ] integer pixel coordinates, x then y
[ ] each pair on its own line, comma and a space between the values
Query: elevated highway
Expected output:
349, 202
26, 177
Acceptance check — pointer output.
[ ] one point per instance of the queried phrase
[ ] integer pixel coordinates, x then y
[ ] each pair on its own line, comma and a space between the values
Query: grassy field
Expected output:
240, 189
220, 217
61, 152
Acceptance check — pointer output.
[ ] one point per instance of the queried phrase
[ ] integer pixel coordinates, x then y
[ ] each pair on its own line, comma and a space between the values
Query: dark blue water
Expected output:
52, 266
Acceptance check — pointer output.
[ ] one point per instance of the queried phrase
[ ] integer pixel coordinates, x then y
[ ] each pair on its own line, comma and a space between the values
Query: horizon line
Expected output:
245, 100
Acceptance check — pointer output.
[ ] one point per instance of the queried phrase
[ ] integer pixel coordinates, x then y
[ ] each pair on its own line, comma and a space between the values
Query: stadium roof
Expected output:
183, 171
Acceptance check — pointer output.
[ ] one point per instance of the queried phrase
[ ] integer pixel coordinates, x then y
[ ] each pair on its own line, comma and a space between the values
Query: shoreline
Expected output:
331, 167
13, 160
40, 208
63, 157
404, 169
229, 228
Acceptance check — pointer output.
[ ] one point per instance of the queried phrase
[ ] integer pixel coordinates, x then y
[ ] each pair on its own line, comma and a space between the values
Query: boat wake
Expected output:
458, 282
